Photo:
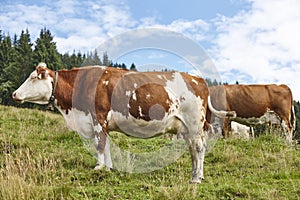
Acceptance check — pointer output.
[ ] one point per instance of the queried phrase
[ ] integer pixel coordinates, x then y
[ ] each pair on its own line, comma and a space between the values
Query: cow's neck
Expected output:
64, 89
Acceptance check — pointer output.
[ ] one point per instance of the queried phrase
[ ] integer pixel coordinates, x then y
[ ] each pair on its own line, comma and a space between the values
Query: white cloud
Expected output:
194, 29
262, 42
76, 25
259, 45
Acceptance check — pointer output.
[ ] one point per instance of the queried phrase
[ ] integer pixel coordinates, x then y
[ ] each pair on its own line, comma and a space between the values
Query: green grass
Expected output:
41, 159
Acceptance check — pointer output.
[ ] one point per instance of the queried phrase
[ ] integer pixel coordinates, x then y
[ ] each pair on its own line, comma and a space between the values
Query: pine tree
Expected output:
24, 57
6, 61
132, 67
105, 60
297, 113
66, 60
88, 60
46, 51
96, 58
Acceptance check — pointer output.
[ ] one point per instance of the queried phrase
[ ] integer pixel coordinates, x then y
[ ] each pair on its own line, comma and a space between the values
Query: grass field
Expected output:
41, 159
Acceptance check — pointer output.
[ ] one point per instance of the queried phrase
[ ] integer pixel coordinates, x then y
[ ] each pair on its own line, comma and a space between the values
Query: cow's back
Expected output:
255, 100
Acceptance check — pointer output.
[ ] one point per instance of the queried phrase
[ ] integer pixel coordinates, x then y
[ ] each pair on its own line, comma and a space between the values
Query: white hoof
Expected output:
99, 167
195, 181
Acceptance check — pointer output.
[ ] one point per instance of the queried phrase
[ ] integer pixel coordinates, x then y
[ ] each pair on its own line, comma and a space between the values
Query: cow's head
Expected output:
37, 88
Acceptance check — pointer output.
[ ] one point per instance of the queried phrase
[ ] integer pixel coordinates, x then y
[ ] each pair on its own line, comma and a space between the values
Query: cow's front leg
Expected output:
103, 151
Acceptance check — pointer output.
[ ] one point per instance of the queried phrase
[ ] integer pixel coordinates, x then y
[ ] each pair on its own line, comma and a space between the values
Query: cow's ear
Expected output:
41, 72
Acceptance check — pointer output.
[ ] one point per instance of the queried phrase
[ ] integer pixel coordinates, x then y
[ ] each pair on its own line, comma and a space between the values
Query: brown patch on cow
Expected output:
140, 91
101, 142
41, 72
149, 102
65, 88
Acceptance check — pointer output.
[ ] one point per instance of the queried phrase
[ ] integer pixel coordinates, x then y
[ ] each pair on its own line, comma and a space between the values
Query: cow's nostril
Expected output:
14, 96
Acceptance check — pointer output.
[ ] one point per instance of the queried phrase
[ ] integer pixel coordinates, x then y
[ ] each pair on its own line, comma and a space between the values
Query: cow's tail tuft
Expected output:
220, 113
293, 118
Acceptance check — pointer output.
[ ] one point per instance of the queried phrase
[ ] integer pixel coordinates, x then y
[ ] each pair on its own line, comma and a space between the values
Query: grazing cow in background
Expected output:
256, 104
241, 130
95, 100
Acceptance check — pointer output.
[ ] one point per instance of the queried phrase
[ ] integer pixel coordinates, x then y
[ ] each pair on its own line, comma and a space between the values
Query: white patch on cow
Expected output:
105, 83
148, 96
108, 117
34, 90
284, 126
135, 85
141, 128
80, 122
140, 111
97, 128
100, 66
128, 93
107, 156
177, 89
163, 77
194, 81
134, 95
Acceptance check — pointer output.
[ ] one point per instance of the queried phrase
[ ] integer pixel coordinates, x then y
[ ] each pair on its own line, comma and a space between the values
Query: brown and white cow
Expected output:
256, 104
95, 100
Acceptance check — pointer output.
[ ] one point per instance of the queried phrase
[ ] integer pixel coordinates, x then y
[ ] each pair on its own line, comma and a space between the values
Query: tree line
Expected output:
19, 55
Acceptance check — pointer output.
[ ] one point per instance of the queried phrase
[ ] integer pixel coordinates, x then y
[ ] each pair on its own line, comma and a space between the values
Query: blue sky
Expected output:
167, 11
252, 41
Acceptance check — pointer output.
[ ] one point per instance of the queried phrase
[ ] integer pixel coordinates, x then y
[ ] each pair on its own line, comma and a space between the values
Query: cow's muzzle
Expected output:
16, 98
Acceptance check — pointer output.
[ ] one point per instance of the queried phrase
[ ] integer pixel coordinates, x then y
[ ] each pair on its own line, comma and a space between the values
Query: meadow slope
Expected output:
41, 159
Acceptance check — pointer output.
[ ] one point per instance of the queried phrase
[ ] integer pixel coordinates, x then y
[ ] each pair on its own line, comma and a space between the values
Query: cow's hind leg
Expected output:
196, 144
288, 130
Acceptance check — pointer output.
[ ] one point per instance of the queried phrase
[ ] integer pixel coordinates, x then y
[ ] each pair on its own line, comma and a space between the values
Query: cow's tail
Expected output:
220, 113
293, 118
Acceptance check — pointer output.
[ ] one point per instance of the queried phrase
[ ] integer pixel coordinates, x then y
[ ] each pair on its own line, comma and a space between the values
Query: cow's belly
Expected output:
144, 129
268, 117
185, 118
80, 122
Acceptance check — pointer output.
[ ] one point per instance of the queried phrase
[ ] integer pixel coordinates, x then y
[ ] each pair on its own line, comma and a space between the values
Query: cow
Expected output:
256, 104
241, 130
97, 99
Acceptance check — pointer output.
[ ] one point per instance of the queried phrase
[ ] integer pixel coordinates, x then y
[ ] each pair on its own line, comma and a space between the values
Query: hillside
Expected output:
41, 159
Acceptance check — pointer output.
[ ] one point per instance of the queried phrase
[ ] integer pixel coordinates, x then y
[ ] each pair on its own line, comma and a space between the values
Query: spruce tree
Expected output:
6, 62
96, 58
133, 67
105, 60
24, 56
46, 51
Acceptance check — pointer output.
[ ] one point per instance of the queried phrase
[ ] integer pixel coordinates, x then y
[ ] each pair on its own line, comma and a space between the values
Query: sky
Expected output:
249, 41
